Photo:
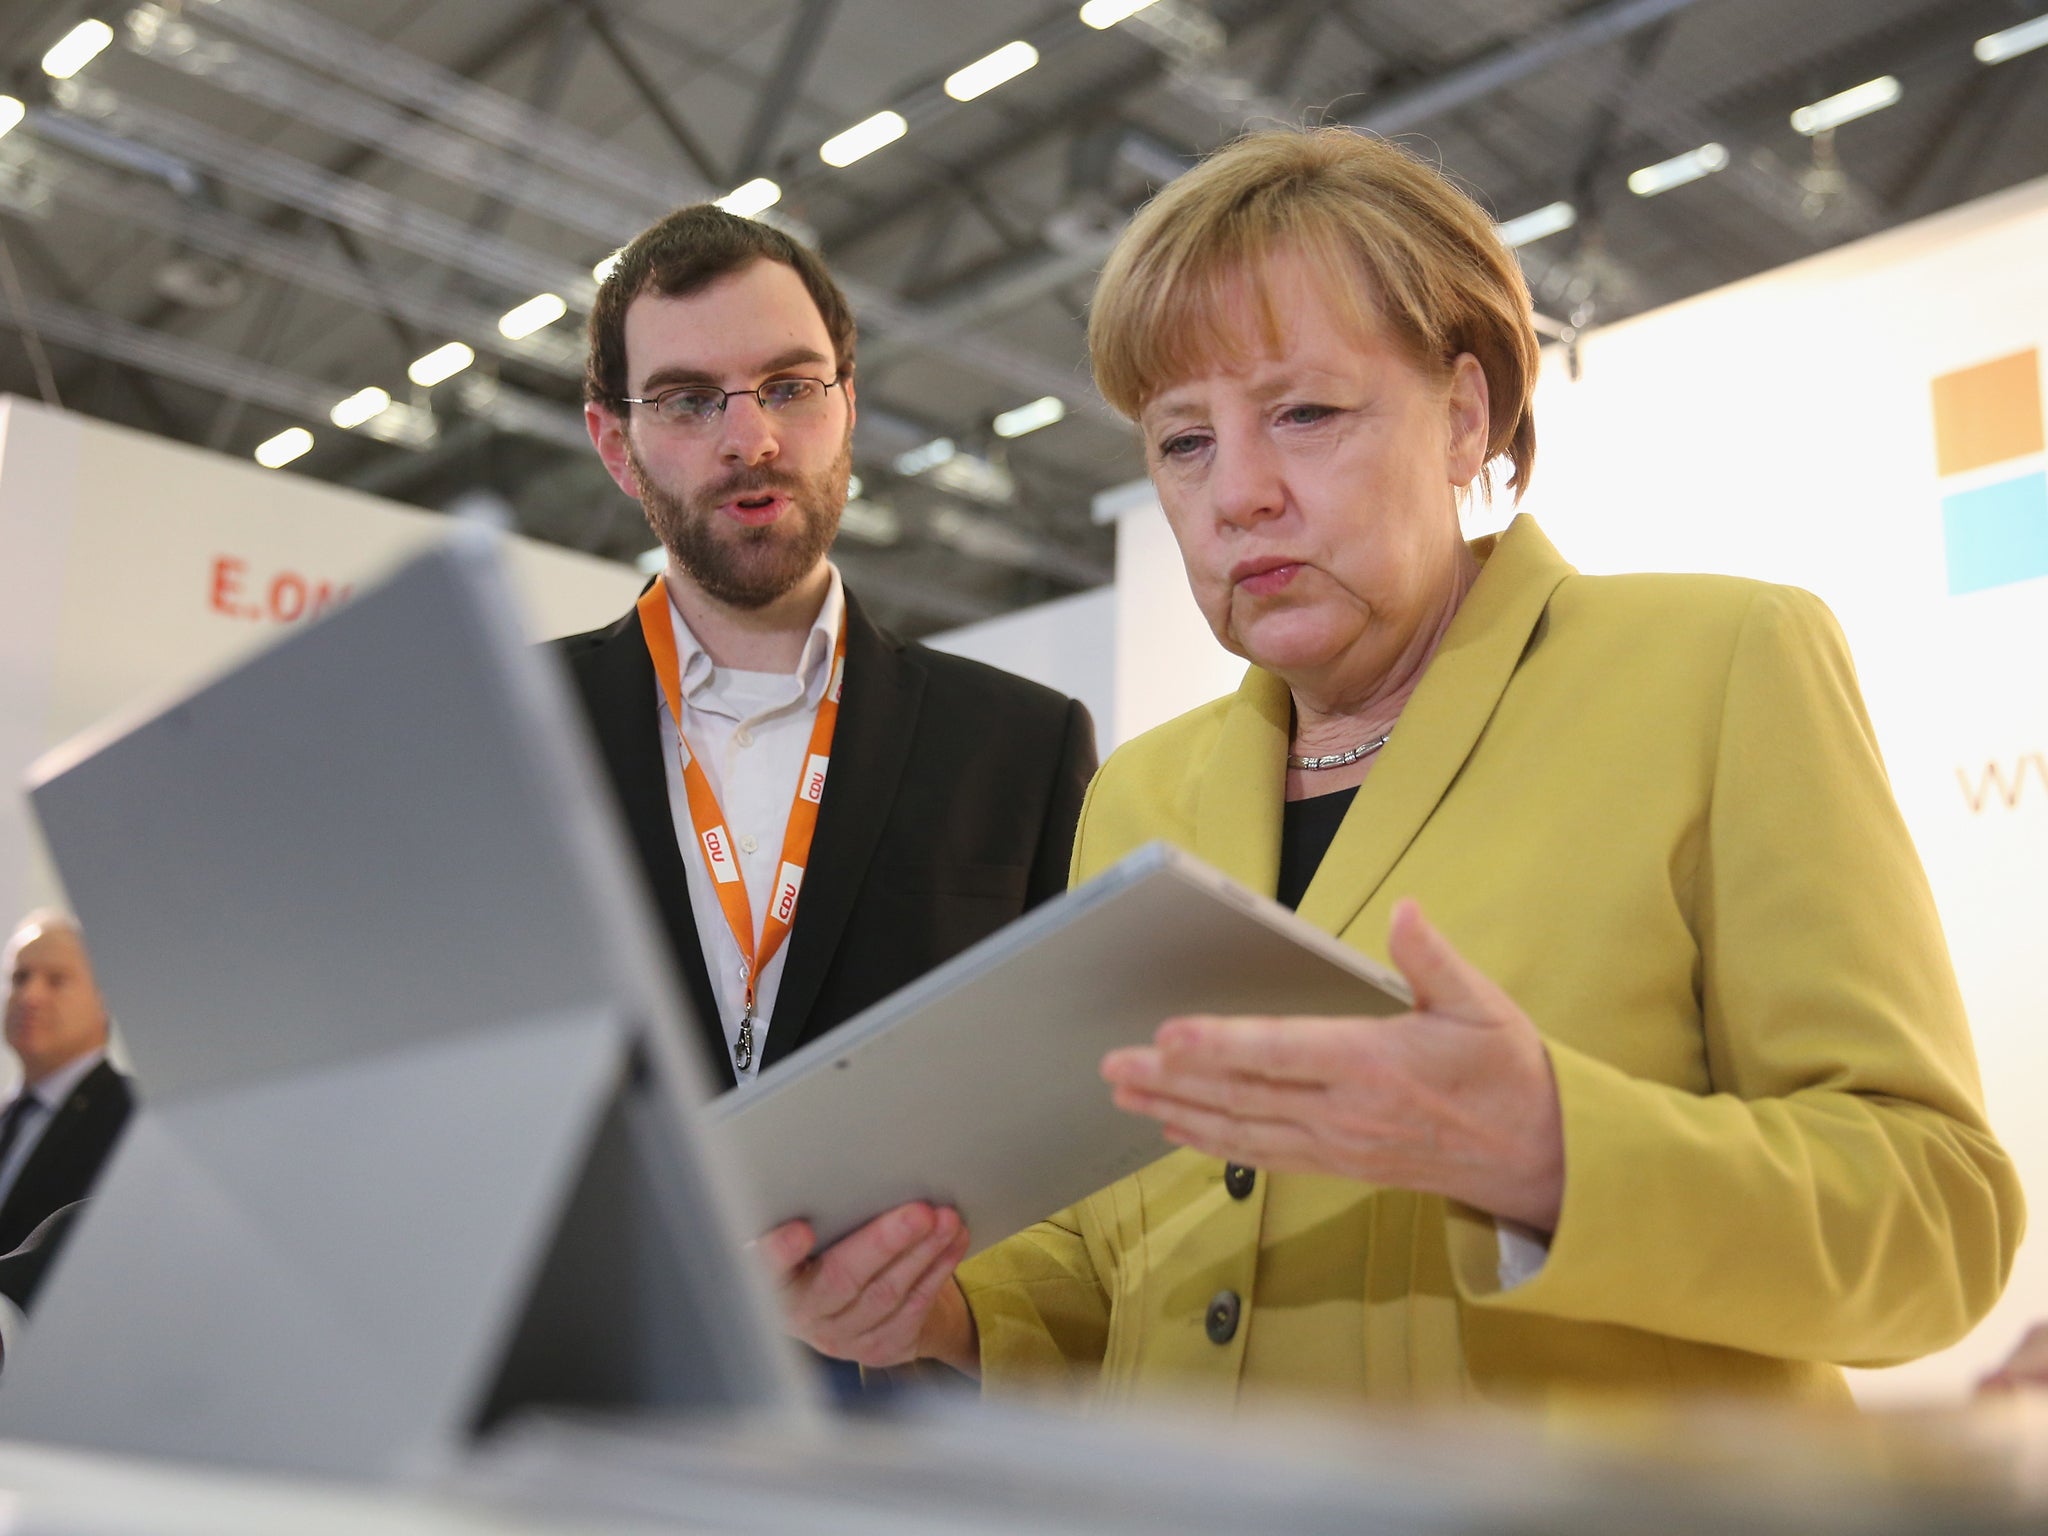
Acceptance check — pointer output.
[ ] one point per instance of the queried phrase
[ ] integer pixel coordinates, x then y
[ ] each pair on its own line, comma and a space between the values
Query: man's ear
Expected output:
850, 412
608, 435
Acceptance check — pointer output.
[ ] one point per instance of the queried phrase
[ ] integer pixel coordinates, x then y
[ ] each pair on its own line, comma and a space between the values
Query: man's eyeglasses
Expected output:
700, 405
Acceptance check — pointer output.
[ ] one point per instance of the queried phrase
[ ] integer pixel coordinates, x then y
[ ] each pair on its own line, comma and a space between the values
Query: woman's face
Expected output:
1313, 489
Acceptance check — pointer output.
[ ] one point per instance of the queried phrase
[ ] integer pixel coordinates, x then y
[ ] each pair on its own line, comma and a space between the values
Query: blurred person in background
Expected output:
72, 1104
1686, 1102
65, 1119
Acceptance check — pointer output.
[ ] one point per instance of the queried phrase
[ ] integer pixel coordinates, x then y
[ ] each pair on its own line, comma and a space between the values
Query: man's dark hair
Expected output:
684, 254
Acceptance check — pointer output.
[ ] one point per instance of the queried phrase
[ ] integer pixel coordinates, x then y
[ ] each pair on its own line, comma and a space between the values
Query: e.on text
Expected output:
281, 597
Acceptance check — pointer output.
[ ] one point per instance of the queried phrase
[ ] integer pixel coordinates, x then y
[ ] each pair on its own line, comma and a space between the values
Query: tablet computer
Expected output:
418, 1142
977, 1086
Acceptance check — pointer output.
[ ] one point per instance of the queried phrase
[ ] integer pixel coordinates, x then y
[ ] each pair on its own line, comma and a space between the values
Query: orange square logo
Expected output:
1989, 413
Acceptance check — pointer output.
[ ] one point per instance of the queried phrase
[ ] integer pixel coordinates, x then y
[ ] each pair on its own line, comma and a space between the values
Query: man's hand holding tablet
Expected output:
881, 1296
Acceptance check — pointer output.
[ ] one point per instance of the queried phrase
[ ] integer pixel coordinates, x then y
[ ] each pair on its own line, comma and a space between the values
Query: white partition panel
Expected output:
1868, 424
1064, 644
1167, 660
131, 566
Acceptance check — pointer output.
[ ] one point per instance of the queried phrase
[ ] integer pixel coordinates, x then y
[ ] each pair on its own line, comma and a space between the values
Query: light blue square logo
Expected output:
1996, 534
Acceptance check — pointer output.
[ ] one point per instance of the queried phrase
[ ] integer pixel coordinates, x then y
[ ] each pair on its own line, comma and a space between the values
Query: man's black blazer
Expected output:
81, 1132
951, 807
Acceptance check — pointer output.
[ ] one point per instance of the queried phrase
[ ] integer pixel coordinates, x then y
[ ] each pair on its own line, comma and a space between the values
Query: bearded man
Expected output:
823, 812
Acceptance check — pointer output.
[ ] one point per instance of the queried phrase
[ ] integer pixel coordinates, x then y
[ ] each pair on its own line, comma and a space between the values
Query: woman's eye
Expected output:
1180, 447
1306, 415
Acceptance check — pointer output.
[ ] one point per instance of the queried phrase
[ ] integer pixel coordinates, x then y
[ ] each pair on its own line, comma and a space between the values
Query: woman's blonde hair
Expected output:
1435, 273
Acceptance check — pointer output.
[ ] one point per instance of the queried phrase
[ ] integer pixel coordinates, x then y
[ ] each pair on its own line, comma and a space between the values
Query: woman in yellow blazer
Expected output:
1687, 1099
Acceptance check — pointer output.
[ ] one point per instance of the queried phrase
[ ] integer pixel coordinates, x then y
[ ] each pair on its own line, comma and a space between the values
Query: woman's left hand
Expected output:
1456, 1098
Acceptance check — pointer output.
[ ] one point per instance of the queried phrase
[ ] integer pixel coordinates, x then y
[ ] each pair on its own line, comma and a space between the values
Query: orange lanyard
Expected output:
715, 840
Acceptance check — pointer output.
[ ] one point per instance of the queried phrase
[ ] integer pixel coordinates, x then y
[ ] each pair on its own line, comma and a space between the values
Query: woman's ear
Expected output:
1470, 408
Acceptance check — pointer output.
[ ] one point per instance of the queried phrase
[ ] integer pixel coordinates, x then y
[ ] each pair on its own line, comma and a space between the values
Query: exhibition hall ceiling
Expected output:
243, 217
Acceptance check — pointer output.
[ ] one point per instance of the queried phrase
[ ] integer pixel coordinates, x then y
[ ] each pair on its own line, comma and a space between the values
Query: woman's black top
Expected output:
1306, 827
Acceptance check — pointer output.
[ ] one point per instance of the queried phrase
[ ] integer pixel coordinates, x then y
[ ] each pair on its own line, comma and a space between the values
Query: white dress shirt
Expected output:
50, 1095
751, 731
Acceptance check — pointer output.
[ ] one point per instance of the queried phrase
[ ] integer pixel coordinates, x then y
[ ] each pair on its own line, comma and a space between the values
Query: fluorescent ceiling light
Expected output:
406, 425
604, 268
985, 74
974, 476
1107, 13
276, 452
78, 48
360, 407
653, 562
872, 522
11, 112
441, 363
983, 538
952, 470
2012, 42
1678, 170
538, 312
1550, 219
863, 138
1845, 107
854, 487
756, 196
1042, 412
930, 455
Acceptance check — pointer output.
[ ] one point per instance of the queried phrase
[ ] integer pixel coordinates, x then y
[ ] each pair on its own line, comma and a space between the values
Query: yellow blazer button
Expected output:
1239, 1179
1221, 1321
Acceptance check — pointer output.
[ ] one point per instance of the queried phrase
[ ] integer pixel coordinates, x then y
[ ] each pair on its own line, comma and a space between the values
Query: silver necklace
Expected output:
1339, 759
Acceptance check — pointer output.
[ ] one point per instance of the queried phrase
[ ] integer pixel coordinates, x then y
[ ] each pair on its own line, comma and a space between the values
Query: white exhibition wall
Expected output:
132, 567
1866, 424
1064, 643
1834, 425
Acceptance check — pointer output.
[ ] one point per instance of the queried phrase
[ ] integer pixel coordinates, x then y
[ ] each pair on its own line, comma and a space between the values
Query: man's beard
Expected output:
741, 566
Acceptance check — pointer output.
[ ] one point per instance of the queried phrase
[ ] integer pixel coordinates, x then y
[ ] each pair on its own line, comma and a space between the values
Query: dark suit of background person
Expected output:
57, 1025
67, 1159
950, 809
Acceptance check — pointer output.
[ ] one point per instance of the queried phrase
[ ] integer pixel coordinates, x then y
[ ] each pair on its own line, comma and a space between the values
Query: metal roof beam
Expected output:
173, 357
98, 113
475, 109
228, 236
571, 202
1298, 26
396, 75
551, 78
307, 262
1511, 63
650, 93
241, 378
779, 92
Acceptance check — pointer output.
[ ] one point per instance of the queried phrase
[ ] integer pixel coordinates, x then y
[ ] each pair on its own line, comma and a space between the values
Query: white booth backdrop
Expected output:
1788, 428
132, 567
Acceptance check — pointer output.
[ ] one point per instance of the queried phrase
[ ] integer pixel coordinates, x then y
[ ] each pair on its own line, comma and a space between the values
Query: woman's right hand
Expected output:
2025, 1367
881, 1296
